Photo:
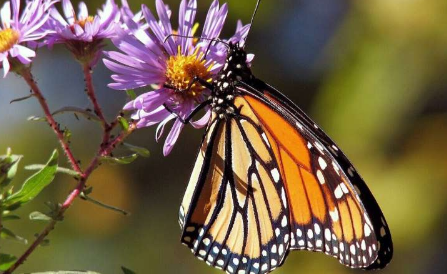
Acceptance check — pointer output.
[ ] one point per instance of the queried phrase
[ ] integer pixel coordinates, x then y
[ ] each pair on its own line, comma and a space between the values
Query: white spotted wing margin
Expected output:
234, 218
338, 167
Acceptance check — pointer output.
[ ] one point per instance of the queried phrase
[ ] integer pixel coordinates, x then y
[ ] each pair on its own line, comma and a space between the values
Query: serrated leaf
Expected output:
59, 170
35, 184
9, 235
39, 216
87, 114
127, 270
36, 118
8, 168
22, 98
6, 261
143, 152
123, 123
119, 160
10, 218
131, 94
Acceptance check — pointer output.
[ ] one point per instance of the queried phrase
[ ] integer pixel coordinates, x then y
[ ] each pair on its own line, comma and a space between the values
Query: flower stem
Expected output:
91, 94
26, 74
106, 147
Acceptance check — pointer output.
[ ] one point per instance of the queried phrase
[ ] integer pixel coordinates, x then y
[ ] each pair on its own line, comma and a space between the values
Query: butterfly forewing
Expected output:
360, 236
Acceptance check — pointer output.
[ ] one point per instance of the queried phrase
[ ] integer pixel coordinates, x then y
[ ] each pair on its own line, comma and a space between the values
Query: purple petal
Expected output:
69, 11
202, 121
186, 22
83, 11
6, 66
161, 126
172, 137
5, 14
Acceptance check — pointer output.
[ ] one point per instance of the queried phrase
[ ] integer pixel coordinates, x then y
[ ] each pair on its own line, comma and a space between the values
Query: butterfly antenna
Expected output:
252, 19
194, 37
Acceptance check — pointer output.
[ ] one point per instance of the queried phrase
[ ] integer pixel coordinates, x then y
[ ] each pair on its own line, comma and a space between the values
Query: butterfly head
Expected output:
236, 60
235, 71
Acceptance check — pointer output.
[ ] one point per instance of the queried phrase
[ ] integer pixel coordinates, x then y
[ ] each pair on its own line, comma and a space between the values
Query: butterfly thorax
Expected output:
235, 71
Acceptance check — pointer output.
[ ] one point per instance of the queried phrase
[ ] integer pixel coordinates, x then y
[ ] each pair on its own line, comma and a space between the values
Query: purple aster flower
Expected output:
17, 29
169, 60
82, 33
127, 13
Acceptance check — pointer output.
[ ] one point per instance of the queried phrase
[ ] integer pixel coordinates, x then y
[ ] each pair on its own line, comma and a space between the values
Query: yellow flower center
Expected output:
8, 38
181, 70
84, 21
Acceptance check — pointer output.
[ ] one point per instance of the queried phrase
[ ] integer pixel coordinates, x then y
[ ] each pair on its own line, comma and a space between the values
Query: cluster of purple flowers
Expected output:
152, 54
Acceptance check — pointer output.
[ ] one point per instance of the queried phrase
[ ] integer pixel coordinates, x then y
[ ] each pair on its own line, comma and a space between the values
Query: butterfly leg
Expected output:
192, 114
196, 79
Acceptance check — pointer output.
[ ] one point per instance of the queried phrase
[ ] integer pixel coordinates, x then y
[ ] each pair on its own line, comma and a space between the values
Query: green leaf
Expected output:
39, 216
119, 160
84, 195
36, 118
64, 170
123, 123
127, 270
8, 168
143, 152
10, 218
131, 94
22, 98
9, 235
6, 261
35, 184
87, 114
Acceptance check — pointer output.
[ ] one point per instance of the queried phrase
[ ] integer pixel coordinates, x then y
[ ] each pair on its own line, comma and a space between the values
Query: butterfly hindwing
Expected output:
233, 212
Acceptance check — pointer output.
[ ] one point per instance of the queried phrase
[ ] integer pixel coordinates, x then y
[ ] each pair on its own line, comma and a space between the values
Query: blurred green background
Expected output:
371, 73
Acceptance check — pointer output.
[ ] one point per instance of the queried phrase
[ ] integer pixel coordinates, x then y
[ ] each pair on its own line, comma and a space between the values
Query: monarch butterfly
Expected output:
268, 180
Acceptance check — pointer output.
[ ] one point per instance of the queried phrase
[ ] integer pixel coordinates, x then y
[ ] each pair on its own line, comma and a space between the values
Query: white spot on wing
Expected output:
320, 177
265, 139
367, 230
283, 197
322, 163
344, 188
352, 249
334, 215
327, 234
338, 192
335, 166
310, 234
284, 221
275, 174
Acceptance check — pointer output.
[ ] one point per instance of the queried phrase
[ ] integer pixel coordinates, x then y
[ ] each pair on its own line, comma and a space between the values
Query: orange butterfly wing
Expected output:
267, 181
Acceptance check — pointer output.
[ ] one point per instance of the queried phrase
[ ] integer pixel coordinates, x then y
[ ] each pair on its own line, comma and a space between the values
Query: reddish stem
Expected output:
91, 94
26, 74
106, 148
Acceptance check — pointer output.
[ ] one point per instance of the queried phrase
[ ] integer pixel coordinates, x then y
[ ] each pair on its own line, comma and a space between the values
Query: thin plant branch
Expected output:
91, 94
26, 74
107, 146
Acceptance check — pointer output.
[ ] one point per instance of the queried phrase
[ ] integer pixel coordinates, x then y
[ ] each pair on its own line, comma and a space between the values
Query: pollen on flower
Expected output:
82, 22
181, 70
8, 38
